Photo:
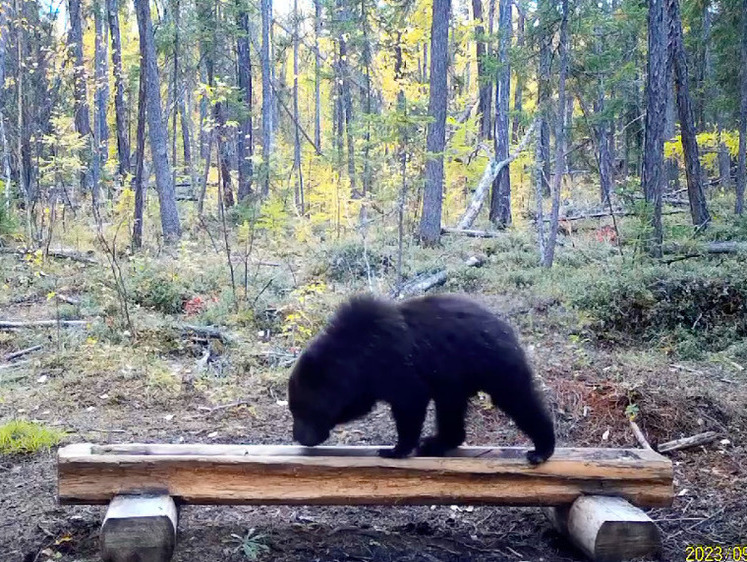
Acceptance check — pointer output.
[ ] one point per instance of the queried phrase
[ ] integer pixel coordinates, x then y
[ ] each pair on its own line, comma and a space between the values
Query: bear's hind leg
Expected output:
450, 424
524, 406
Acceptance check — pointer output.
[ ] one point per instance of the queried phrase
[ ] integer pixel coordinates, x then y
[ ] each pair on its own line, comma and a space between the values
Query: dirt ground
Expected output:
589, 387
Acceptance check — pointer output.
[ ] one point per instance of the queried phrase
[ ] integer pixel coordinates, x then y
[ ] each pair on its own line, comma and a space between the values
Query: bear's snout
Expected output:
308, 436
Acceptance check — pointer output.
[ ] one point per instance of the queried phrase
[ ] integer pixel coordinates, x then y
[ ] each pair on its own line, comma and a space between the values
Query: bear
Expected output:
406, 353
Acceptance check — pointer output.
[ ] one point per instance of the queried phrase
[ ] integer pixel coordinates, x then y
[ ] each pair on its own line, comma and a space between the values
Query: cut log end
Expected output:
607, 529
139, 528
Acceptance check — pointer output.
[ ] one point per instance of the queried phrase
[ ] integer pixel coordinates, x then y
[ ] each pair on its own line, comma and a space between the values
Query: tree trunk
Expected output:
102, 81
557, 179
698, 207
544, 92
500, 200
724, 158
120, 109
138, 181
672, 167
156, 127
519, 89
186, 122
176, 94
656, 106
430, 220
742, 162
244, 139
3, 136
367, 61
296, 117
347, 98
266, 96
89, 177
317, 75
483, 81
604, 156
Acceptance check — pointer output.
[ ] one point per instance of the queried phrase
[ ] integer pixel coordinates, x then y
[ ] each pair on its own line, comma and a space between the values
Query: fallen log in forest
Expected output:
490, 173
715, 248
424, 282
687, 442
615, 212
19, 324
471, 233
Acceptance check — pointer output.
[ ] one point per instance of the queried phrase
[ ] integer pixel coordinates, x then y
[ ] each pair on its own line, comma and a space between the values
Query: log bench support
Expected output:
139, 527
607, 529
590, 495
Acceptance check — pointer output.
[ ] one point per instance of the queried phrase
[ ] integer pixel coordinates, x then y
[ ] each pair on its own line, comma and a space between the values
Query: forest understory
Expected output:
160, 381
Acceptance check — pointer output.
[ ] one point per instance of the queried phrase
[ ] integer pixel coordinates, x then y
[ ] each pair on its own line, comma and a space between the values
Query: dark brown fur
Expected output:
444, 347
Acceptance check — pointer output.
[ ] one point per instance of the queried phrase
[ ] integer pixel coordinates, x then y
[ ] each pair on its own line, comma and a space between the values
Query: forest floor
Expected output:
103, 385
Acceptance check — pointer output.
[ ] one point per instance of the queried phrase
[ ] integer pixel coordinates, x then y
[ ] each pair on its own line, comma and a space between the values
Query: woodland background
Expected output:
189, 187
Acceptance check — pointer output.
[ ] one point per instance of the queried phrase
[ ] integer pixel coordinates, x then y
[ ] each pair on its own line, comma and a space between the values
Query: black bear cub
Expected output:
442, 347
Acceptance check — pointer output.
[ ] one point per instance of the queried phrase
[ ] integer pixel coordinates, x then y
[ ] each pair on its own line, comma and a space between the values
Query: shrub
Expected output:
348, 260
156, 288
694, 310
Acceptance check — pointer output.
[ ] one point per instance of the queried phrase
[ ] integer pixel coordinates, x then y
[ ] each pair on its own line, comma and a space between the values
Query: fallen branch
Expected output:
471, 232
21, 352
223, 406
68, 300
616, 213
639, 435
728, 247
71, 255
687, 442
18, 324
425, 282
207, 332
490, 173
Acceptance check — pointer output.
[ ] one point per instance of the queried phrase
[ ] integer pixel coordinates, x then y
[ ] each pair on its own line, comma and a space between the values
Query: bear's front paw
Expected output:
393, 453
433, 447
536, 458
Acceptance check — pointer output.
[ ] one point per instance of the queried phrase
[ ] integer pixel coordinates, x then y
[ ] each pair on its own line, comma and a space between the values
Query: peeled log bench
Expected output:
263, 475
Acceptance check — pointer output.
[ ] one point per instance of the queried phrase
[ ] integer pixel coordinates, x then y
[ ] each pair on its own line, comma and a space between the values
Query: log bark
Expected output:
258, 474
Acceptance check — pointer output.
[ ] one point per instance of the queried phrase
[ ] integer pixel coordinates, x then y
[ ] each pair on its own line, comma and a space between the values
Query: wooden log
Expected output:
141, 528
18, 324
21, 352
470, 232
257, 474
723, 247
686, 442
607, 529
422, 283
